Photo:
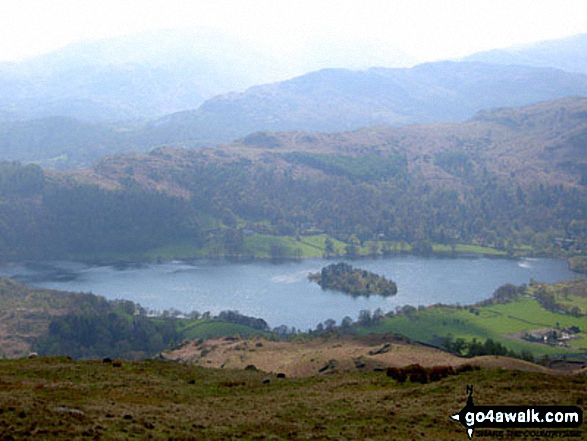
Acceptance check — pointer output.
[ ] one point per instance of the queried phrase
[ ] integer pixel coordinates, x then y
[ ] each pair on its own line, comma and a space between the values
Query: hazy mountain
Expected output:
58, 141
337, 99
568, 54
154, 73
329, 100
139, 76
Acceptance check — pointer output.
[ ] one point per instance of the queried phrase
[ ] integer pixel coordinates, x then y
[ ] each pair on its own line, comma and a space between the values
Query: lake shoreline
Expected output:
281, 292
138, 259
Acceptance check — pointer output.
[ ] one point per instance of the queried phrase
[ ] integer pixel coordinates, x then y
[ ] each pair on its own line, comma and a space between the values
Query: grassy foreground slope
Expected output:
54, 398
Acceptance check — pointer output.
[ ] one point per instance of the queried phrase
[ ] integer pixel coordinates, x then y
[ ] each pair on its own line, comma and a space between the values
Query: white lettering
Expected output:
470, 418
510, 417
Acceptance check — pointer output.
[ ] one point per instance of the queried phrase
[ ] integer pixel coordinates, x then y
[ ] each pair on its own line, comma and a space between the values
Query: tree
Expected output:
329, 325
233, 241
364, 317
351, 250
346, 322
277, 251
328, 246
378, 315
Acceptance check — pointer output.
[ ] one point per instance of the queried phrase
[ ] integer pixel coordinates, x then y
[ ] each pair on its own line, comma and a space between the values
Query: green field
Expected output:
498, 322
211, 328
265, 246
570, 295
260, 245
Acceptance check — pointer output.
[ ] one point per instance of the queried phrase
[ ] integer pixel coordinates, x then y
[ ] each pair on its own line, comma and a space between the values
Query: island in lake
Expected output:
354, 281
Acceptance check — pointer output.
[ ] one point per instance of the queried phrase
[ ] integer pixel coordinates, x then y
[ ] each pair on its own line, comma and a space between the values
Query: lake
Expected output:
280, 293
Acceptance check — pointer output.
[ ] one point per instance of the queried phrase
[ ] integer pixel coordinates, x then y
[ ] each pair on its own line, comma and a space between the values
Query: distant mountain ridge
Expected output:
568, 54
333, 100
153, 73
134, 77
329, 100
148, 75
68, 108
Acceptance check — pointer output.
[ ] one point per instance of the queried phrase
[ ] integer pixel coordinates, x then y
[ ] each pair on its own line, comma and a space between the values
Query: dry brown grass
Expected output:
49, 398
305, 359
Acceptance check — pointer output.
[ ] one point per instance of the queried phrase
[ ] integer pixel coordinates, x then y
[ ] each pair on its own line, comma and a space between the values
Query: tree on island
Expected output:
354, 281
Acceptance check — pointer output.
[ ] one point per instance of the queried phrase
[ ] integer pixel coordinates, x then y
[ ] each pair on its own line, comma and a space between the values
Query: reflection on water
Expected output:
282, 294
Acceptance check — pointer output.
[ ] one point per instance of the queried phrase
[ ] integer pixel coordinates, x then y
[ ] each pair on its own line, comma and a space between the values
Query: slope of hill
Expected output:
507, 178
25, 314
566, 54
54, 398
330, 354
336, 99
132, 77
542, 142
57, 142
83, 325
329, 100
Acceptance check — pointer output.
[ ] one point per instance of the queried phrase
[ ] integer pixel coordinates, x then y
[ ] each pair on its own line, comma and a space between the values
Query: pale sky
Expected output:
424, 29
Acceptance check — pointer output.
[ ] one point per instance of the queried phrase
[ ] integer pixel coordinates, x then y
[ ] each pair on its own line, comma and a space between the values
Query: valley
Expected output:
202, 238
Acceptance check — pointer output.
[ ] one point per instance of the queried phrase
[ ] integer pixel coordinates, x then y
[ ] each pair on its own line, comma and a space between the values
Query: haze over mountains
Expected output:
333, 100
139, 76
153, 73
566, 54
70, 107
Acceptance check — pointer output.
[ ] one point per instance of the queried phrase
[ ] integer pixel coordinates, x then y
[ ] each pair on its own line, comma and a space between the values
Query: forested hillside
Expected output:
508, 178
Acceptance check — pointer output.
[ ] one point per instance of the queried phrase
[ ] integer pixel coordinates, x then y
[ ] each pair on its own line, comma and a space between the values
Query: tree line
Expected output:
57, 217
